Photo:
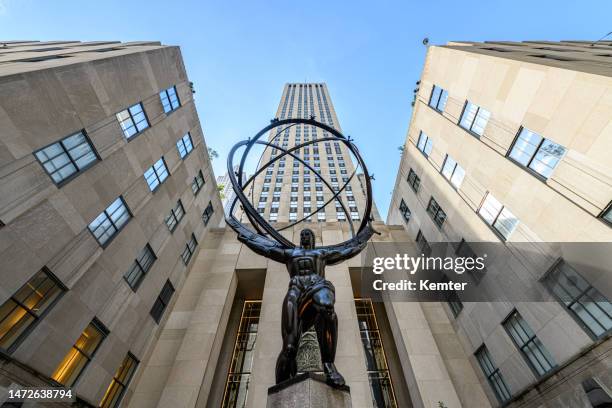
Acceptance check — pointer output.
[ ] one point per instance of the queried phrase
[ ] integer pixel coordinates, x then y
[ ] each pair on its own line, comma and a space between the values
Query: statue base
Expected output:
308, 390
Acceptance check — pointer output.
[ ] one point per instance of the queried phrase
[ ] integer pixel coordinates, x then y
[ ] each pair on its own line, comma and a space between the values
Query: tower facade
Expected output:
509, 143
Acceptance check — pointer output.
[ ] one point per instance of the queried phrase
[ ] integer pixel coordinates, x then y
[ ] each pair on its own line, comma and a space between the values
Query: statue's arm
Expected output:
338, 253
257, 243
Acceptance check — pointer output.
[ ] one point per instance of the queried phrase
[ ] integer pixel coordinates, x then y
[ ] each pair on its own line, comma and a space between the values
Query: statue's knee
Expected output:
289, 351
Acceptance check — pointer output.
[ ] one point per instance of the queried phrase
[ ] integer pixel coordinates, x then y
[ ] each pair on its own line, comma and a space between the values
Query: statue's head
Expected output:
307, 239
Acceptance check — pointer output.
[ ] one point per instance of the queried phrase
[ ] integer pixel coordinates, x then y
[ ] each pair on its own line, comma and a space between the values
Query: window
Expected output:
208, 212
321, 216
464, 250
404, 210
157, 311
536, 355
120, 382
422, 243
169, 99
494, 377
184, 145
453, 172
435, 212
606, 215
379, 377
175, 216
474, 118
81, 353
425, 144
453, 300
197, 183
536, 153
498, 216
156, 174
413, 180
27, 306
62, 160
140, 267
438, 98
585, 303
189, 249
106, 225
133, 120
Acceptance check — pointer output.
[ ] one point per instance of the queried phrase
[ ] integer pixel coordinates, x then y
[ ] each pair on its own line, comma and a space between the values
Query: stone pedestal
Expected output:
308, 390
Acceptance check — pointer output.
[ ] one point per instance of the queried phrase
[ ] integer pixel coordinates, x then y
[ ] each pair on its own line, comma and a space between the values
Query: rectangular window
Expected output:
606, 214
536, 355
422, 243
133, 120
208, 212
435, 212
175, 216
197, 183
169, 99
157, 311
498, 216
189, 249
120, 382
63, 159
140, 267
585, 303
81, 353
156, 174
494, 377
27, 306
425, 144
536, 153
438, 98
184, 145
413, 180
405, 211
453, 172
106, 225
474, 118
464, 250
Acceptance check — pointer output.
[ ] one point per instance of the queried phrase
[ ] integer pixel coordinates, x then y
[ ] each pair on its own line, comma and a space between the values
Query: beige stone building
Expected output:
106, 196
510, 142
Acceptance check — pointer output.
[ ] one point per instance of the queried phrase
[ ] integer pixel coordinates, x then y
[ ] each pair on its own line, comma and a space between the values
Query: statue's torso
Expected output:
305, 262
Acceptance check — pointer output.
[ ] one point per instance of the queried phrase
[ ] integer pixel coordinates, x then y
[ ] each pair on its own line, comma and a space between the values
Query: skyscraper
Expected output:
227, 192
106, 196
510, 143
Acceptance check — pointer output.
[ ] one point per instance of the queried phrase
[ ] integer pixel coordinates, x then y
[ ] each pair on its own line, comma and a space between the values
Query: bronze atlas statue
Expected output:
310, 297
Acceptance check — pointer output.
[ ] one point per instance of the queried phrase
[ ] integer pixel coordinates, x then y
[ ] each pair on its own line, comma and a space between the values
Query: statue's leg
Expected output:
286, 366
327, 333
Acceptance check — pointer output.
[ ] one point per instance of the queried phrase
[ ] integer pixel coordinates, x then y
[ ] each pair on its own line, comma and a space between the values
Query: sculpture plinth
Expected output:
308, 390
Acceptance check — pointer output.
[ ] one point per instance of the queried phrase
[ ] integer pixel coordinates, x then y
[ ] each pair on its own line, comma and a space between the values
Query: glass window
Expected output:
474, 118
435, 212
175, 216
379, 377
197, 183
133, 120
536, 153
184, 145
189, 249
425, 144
119, 383
63, 159
81, 353
106, 225
606, 215
405, 211
156, 174
582, 300
169, 99
157, 311
413, 180
453, 300
438, 98
140, 267
453, 172
27, 306
530, 346
423, 244
494, 377
498, 216
208, 212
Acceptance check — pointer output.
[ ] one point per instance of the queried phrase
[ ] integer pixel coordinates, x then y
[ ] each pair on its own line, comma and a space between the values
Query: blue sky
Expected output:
240, 54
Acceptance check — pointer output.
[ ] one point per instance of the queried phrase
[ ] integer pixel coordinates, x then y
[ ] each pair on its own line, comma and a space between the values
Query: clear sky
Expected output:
240, 54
